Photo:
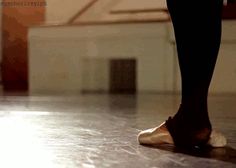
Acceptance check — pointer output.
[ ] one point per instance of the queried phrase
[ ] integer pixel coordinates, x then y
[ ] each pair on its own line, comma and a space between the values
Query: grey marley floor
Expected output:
92, 130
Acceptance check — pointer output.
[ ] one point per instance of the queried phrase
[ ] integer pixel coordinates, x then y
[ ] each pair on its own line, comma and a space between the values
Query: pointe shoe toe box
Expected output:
155, 136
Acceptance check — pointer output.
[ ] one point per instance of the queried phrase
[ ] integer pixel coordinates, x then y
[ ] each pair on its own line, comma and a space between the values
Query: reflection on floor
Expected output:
100, 131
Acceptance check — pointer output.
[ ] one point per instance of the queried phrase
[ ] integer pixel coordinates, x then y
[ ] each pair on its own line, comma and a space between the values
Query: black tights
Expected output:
197, 27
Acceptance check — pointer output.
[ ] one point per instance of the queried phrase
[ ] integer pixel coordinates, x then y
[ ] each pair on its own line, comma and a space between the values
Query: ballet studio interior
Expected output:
80, 79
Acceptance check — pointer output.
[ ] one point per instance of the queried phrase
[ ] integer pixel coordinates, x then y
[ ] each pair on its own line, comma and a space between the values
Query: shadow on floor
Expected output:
226, 154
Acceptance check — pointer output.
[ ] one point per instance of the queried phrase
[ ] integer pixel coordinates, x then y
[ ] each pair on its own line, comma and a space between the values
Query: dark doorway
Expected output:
123, 76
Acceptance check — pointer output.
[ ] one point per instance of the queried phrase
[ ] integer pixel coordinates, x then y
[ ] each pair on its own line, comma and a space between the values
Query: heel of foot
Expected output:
217, 139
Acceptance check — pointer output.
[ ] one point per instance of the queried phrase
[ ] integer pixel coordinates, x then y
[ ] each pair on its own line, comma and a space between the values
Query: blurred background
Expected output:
101, 46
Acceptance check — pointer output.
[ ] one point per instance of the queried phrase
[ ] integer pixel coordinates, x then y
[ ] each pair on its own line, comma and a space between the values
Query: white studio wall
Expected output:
60, 55
76, 58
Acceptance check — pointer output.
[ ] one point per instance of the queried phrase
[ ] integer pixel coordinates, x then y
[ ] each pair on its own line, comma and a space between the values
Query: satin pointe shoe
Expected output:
160, 135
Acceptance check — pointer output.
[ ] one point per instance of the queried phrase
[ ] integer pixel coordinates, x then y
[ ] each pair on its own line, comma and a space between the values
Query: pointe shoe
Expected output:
155, 136
160, 135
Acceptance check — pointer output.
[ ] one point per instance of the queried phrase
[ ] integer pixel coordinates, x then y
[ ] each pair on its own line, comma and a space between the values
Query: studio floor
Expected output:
100, 131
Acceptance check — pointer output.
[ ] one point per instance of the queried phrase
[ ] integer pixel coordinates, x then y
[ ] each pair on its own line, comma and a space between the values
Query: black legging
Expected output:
197, 27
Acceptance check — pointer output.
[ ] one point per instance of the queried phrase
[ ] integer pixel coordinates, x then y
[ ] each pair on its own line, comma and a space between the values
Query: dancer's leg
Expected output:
197, 27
